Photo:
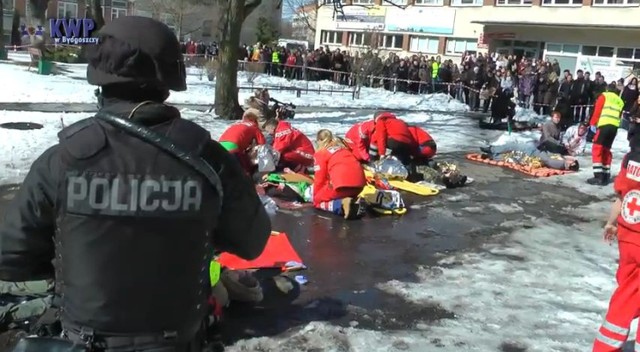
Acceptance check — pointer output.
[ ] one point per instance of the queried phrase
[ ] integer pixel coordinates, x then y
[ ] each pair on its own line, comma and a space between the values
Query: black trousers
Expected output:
402, 151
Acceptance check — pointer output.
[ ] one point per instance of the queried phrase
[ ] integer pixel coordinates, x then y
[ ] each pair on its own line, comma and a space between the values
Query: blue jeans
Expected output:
529, 148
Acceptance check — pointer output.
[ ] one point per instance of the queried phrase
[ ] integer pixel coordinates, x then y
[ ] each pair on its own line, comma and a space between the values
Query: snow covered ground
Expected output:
71, 86
553, 300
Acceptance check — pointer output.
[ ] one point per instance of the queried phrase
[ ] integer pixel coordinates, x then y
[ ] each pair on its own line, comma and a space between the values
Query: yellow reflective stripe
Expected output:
609, 341
214, 272
616, 329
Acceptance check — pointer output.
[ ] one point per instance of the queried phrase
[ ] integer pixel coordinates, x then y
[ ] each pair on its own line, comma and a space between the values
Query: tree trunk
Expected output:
96, 13
226, 96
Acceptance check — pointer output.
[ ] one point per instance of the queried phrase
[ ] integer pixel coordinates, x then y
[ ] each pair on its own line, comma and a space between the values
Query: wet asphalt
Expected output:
347, 259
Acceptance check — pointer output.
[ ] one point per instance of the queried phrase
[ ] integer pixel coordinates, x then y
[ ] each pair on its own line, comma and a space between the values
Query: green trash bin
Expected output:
44, 67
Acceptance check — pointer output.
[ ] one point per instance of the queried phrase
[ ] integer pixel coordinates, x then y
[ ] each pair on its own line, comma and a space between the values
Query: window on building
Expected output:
67, 9
466, 2
331, 2
390, 41
628, 53
118, 8
602, 51
8, 6
616, 2
360, 39
430, 2
561, 2
460, 46
362, 2
424, 44
563, 48
514, 2
606, 51
330, 37
589, 50
395, 2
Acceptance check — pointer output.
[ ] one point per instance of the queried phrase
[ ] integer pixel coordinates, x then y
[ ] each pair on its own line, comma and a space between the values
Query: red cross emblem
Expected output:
633, 206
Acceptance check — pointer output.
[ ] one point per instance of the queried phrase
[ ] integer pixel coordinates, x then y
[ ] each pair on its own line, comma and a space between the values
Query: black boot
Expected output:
486, 150
597, 179
606, 178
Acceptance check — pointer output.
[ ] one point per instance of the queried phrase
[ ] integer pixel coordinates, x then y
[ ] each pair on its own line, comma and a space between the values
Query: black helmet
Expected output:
141, 50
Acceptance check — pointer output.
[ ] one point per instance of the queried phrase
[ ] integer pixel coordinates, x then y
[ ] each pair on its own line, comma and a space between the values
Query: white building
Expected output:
593, 35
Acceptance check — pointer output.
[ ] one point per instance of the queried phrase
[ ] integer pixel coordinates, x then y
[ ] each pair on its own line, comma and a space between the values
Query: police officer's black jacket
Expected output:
131, 228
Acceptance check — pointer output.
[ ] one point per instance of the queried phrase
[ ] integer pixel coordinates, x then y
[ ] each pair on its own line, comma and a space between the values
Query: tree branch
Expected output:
250, 6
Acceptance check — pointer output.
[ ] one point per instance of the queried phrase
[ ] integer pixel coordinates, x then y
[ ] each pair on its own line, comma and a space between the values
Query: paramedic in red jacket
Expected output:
358, 138
241, 136
391, 137
624, 223
339, 177
296, 150
427, 147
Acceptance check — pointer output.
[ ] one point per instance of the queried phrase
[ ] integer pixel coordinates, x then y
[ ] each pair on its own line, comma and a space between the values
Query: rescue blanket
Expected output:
278, 253
531, 170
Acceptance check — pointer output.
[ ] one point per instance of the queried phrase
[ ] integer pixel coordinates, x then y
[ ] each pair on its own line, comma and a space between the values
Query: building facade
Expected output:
593, 35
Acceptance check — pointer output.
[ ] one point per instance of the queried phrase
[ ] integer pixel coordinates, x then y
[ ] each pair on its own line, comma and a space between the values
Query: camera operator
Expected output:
279, 110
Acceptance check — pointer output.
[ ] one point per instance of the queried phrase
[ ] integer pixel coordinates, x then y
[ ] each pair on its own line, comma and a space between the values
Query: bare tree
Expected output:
306, 11
286, 29
178, 10
232, 15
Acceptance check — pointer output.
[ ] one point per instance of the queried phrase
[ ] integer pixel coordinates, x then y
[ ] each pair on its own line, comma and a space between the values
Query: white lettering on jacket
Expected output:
633, 170
128, 194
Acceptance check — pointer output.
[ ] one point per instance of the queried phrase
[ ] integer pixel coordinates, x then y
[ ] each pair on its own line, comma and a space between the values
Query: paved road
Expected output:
347, 259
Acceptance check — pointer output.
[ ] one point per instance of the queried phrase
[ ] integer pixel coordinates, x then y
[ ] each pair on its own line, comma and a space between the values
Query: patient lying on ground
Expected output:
528, 154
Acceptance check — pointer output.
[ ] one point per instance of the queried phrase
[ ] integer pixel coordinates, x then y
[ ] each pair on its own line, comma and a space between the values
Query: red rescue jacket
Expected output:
338, 168
388, 126
426, 145
293, 145
243, 134
358, 138
627, 185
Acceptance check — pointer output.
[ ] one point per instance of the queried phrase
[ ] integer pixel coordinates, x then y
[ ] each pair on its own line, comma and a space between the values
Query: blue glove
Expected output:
593, 129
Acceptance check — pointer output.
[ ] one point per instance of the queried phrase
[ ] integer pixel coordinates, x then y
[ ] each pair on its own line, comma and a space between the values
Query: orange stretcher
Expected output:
528, 170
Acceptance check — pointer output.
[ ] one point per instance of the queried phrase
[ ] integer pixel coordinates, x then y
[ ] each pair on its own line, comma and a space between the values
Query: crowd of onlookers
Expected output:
477, 79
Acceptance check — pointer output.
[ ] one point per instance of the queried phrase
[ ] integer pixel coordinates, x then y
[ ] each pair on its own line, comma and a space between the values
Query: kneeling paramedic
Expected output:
126, 211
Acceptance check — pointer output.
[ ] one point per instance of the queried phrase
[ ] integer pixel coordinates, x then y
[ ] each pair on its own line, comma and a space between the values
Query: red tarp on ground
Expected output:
276, 254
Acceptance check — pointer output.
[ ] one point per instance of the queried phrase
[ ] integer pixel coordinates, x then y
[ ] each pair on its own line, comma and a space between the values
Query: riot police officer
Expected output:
126, 211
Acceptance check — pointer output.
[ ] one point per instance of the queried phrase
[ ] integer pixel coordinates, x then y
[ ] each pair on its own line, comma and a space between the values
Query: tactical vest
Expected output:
134, 228
611, 110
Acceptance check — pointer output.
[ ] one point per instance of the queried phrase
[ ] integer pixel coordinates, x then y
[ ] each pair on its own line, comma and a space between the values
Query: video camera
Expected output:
288, 109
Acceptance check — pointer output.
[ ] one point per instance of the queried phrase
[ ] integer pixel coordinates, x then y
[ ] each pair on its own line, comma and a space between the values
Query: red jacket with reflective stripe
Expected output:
358, 138
426, 145
627, 185
388, 126
293, 145
243, 133
337, 167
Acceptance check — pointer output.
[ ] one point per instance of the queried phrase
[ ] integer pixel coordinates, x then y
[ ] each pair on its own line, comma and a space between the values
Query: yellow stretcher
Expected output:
369, 195
408, 186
